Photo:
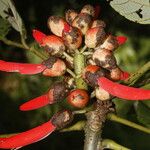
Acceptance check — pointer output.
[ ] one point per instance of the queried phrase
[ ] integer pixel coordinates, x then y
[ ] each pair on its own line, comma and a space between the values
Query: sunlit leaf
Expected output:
134, 10
9, 12
4, 27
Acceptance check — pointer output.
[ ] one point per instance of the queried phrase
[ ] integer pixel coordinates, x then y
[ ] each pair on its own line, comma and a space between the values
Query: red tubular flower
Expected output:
38, 36
59, 120
22, 68
121, 39
28, 137
56, 93
123, 91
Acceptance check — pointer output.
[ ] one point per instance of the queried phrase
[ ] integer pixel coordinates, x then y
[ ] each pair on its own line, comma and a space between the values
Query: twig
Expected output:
110, 144
115, 118
71, 73
83, 49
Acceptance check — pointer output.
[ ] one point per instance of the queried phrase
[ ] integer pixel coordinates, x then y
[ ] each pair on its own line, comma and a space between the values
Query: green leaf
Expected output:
9, 12
134, 10
4, 27
143, 113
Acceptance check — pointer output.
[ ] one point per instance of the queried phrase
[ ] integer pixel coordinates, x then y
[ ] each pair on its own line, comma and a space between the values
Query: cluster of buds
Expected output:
78, 33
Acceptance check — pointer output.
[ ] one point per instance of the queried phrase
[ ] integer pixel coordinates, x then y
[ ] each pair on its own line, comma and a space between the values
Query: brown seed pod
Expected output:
55, 67
91, 73
101, 94
70, 15
94, 37
58, 91
53, 45
88, 9
83, 22
72, 38
104, 58
110, 43
78, 98
56, 25
98, 23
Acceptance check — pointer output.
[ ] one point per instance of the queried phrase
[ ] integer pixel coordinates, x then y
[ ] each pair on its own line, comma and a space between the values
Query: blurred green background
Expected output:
16, 89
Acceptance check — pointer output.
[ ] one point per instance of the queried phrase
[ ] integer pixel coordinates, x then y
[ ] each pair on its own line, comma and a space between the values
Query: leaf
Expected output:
4, 27
9, 12
143, 113
134, 10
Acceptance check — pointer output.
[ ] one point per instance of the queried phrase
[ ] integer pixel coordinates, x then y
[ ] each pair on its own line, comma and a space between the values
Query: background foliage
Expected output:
16, 89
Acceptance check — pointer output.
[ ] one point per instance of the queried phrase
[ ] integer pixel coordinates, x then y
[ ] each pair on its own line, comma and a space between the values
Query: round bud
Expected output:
58, 92
78, 98
72, 38
62, 118
53, 45
55, 67
56, 25
70, 15
91, 73
88, 9
110, 43
101, 94
94, 37
98, 23
115, 74
104, 58
83, 22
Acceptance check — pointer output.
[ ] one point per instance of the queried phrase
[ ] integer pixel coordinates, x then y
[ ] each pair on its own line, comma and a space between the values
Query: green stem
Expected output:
79, 65
134, 77
115, 118
110, 144
23, 46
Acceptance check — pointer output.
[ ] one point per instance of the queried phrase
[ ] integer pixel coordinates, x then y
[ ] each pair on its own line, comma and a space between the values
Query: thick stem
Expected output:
115, 118
95, 122
79, 65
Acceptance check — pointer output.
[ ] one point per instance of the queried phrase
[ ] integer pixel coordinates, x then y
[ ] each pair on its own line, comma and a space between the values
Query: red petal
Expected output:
35, 103
123, 91
66, 27
97, 11
27, 137
22, 68
121, 39
38, 36
124, 75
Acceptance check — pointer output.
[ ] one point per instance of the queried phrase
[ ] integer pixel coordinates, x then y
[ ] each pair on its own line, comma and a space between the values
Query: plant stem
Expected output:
79, 65
115, 118
134, 77
110, 144
23, 46
95, 122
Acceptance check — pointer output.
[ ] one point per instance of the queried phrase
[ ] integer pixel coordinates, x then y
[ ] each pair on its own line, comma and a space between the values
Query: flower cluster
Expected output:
78, 34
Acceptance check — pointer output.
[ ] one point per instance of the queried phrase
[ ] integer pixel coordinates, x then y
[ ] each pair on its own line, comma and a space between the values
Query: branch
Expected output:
115, 118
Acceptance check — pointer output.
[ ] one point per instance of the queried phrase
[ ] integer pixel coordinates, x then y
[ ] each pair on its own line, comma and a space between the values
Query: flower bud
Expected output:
115, 74
83, 22
53, 45
78, 98
72, 38
101, 94
70, 15
98, 23
94, 37
55, 67
88, 9
56, 25
104, 58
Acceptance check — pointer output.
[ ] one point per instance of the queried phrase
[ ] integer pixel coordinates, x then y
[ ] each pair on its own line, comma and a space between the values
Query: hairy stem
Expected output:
115, 118
79, 65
